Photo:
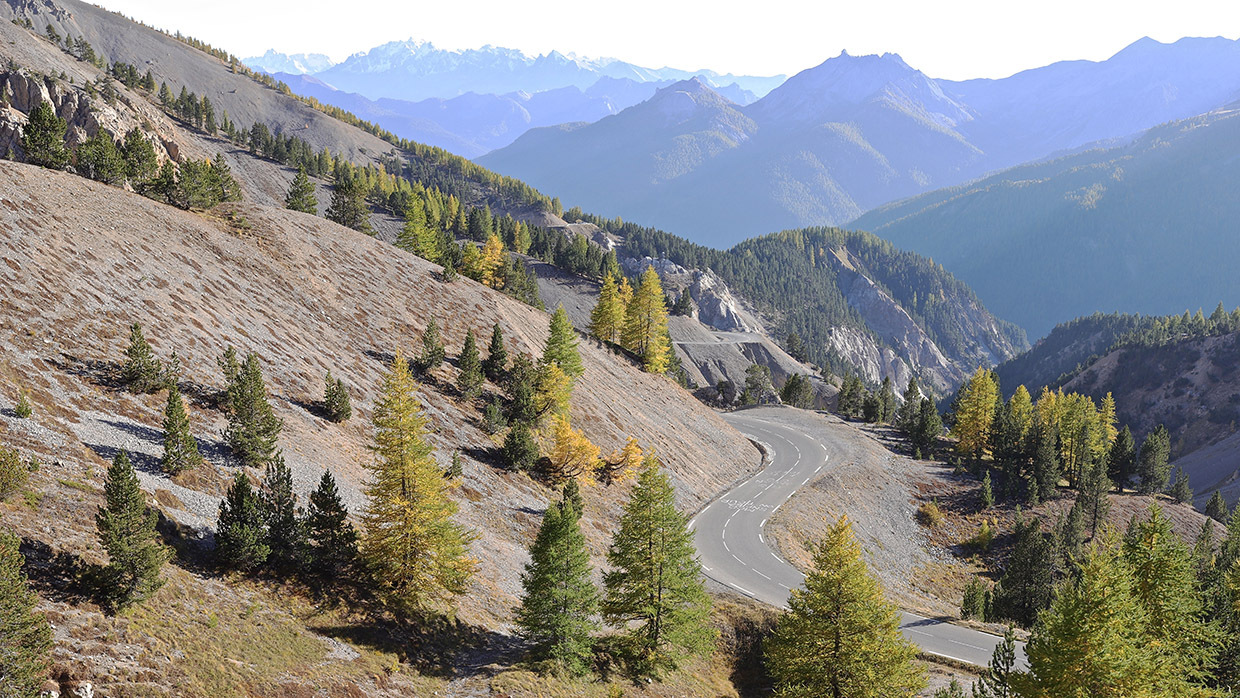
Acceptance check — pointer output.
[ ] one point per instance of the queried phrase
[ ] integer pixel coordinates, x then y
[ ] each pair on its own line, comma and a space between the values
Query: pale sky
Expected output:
953, 39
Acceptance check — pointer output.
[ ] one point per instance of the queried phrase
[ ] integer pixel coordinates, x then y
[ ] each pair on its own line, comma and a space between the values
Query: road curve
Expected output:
734, 551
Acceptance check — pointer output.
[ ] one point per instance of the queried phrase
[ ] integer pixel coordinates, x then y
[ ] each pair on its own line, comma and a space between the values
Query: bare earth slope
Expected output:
84, 260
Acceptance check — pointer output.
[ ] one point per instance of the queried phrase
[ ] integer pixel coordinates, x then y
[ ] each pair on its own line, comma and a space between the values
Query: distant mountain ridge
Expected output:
856, 132
296, 63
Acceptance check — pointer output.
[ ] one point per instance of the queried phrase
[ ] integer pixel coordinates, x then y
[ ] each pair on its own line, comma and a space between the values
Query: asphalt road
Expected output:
734, 551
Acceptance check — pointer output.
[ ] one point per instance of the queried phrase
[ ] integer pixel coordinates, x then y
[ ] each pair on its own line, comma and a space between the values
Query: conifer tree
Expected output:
848, 404
1027, 584
797, 392
906, 415
98, 158
25, 636
141, 372
300, 195
929, 426
469, 380
571, 495
336, 403
1152, 467
14, 474
332, 540
253, 429
886, 401
839, 637
180, 448
987, 493
561, 346
553, 389
655, 580
974, 413
416, 236
490, 262
559, 600
522, 406
572, 455
141, 163
1181, 491
432, 347
1045, 469
1093, 494
286, 535
607, 318
623, 464
240, 534
23, 409
348, 206
1216, 508
416, 552
995, 682
520, 450
43, 138
495, 366
645, 324
126, 529
1122, 458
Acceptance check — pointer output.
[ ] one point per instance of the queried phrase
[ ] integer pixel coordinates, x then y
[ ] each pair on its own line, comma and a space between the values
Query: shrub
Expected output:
929, 514
980, 542
13, 473
23, 410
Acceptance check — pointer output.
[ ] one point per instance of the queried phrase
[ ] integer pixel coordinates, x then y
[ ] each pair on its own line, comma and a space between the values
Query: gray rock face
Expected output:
714, 304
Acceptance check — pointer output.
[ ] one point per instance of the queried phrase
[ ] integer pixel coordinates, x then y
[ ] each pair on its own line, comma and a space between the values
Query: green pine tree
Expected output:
995, 682
571, 496
1153, 469
332, 539
469, 380
141, 372
520, 450
1028, 583
561, 347
180, 448
1216, 508
432, 347
141, 162
23, 409
98, 158
655, 580
300, 195
25, 636
1122, 458
43, 138
253, 429
987, 494
1181, 491
240, 534
126, 529
559, 600
839, 637
348, 206
336, 403
286, 535
495, 366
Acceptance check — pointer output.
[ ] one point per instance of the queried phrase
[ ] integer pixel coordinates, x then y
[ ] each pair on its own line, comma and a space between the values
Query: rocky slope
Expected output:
83, 260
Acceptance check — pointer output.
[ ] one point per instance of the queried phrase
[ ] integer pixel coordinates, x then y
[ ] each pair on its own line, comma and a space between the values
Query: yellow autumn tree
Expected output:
552, 390
471, 261
975, 413
607, 318
622, 464
417, 553
625, 291
572, 456
645, 326
491, 261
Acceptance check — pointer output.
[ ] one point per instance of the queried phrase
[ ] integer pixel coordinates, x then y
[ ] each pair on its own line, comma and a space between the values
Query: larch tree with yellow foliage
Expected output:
416, 552
491, 262
572, 456
622, 464
645, 326
607, 318
975, 413
840, 638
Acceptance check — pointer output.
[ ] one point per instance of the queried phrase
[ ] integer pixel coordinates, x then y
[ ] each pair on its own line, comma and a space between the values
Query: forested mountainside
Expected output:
842, 293
1146, 227
853, 133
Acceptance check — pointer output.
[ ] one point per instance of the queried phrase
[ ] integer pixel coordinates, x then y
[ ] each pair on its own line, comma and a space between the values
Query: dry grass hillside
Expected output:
84, 260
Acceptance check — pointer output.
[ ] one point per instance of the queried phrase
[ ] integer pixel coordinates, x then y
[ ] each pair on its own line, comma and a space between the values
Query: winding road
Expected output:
735, 553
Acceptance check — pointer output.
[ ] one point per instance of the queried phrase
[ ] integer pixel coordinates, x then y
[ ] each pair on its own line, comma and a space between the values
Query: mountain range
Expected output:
853, 133
296, 63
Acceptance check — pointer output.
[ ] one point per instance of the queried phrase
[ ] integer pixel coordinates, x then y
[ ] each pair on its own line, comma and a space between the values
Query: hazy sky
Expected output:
947, 39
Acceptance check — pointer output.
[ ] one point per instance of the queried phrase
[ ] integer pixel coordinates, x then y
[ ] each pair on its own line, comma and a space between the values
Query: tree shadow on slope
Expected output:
434, 645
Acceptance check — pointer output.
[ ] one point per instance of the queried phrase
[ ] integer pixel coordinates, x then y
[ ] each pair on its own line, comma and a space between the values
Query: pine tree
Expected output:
25, 636
1152, 466
1181, 491
1027, 584
520, 451
561, 346
253, 429
886, 401
1045, 469
240, 534
906, 415
559, 599
180, 448
974, 602
23, 409
300, 195
1216, 508
645, 324
141, 372
98, 159
336, 403
995, 682
495, 366
987, 493
469, 380
141, 163
929, 426
126, 529
348, 206
655, 579
521, 406
839, 637
607, 318
285, 533
1122, 458
571, 496
432, 347
43, 138
572, 455
1093, 493
797, 392
14, 474
416, 236
416, 552
332, 540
